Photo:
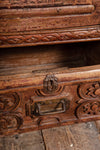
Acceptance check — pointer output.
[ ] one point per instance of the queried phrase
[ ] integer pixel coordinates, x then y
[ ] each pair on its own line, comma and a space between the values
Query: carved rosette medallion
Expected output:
89, 103
50, 86
89, 109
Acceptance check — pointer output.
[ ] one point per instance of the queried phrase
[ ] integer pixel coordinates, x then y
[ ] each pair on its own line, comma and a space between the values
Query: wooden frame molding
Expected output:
51, 11
74, 35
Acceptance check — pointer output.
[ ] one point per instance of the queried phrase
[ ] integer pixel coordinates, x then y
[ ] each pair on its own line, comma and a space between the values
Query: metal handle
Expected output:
50, 107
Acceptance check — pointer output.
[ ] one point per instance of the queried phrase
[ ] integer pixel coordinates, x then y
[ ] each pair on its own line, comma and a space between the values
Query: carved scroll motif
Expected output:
89, 103
9, 102
10, 121
9, 118
50, 86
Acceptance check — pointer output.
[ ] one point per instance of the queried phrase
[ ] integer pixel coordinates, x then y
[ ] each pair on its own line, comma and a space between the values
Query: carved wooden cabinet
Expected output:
47, 86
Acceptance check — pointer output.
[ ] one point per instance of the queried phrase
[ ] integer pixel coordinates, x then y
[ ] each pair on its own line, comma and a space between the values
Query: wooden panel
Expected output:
26, 141
75, 137
36, 24
18, 58
98, 126
80, 136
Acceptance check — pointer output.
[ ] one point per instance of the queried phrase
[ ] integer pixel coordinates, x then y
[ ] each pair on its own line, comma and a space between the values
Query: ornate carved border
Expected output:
92, 33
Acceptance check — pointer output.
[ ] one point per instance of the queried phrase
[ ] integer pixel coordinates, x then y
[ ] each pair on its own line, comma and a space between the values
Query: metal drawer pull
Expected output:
51, 107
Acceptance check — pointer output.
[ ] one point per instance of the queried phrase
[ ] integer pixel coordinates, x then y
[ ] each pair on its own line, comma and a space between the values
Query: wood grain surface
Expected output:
72, 137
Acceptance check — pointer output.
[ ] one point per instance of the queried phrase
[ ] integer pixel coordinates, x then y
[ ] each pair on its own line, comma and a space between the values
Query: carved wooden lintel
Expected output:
47, 38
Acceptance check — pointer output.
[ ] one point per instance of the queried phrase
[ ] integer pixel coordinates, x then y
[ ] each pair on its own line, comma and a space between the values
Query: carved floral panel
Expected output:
89, 102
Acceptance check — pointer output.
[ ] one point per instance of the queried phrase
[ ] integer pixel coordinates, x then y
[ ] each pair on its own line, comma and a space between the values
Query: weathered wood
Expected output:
25, 141
98, 125
73, 137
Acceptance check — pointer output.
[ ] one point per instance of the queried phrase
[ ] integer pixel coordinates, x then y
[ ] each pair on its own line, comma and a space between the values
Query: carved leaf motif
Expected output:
89, 90
97, 92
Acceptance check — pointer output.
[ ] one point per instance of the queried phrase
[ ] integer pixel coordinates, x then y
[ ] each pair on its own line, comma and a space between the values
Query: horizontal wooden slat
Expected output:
53, 11
28, 141
65, 75
43, 3
46, 23
74, 137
